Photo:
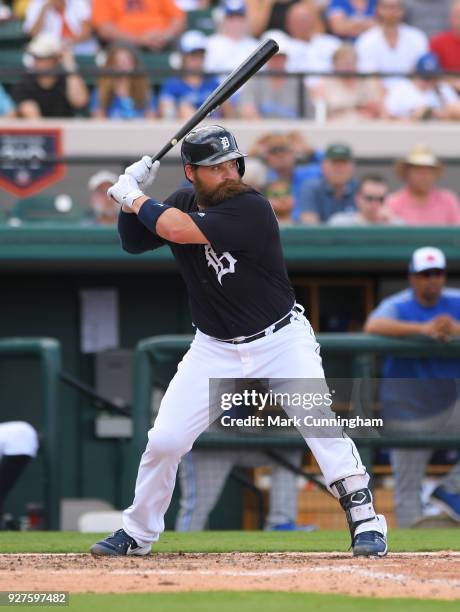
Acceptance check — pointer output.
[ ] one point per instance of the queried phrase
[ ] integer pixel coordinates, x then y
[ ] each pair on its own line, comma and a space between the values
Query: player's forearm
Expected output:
391, 327
167, 222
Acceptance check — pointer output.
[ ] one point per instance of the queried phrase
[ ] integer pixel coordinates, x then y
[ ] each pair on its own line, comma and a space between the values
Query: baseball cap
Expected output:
234, 7
103, 176
427, 258
192, 41
339, 150
428, 65
44, 45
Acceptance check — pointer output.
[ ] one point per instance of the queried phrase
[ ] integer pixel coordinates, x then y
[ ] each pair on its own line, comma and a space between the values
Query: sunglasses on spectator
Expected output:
275, 150
372, 198
277, 193
437, 272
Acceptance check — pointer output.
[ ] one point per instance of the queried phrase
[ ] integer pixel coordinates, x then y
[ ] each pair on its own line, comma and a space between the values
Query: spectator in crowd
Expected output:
67, 20
47, 95
348, 97
266, 15
334, 192
7, 107
310, 49
279, 194
18, 446
431, 16
446, 45
425, 96
390, 46
289, 160
350, 18
275, 96
193, 5
418, 394
152, 24
420, 202
371, 209
104, 210
232, 44
122, 97
181, 96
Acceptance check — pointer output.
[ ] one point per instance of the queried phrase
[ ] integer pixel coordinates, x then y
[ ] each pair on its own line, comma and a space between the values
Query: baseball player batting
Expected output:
226, 241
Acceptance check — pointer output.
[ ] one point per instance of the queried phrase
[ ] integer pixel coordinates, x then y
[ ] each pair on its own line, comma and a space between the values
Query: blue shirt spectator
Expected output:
7, 107
122, 107
302, 174
407, 399
419, 395
333, 192
178, 91
350, 18
181, 96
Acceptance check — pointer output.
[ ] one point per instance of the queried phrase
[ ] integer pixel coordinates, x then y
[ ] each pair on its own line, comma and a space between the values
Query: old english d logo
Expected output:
224, 264
29, 160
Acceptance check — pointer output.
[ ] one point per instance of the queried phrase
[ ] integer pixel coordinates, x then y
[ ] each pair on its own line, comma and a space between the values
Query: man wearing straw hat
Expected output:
419, 201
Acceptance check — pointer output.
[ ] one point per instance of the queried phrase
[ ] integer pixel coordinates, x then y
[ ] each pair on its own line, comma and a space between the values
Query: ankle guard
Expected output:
357, 503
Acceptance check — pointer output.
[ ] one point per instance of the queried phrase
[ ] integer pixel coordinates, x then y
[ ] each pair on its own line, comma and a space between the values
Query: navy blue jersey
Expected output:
238, 284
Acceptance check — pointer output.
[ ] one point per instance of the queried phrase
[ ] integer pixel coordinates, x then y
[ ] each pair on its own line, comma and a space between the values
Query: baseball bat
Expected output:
227, 88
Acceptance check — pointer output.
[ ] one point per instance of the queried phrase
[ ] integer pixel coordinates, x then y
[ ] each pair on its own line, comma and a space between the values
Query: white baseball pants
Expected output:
292, 352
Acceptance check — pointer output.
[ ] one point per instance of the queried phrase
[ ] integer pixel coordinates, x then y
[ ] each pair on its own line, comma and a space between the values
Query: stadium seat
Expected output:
12, 36
201, 20
87, 61
155, 62
45, 208
11, 60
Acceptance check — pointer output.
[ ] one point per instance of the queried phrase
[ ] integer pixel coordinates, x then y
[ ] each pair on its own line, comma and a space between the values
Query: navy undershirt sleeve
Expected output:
134, 236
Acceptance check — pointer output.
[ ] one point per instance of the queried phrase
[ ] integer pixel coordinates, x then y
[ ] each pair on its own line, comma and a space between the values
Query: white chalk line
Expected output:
355, 571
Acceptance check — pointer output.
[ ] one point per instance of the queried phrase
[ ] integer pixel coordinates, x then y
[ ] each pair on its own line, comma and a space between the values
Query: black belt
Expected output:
266, 332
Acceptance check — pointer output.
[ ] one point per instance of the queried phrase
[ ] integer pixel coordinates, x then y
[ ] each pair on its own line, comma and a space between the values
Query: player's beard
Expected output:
212, 197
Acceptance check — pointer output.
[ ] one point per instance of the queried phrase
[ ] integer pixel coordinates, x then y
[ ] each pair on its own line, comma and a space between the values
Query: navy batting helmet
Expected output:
210, 145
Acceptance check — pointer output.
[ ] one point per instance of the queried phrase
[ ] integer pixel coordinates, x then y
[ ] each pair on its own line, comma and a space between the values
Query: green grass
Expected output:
231, 601
413, 540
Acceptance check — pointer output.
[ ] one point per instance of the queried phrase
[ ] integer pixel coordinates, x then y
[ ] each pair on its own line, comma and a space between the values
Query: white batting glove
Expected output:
125, 190
144, 171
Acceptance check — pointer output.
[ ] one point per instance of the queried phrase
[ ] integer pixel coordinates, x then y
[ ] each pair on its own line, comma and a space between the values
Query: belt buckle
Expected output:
238, 340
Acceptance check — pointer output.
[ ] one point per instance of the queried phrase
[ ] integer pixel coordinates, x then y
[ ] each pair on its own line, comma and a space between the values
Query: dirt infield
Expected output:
422, 575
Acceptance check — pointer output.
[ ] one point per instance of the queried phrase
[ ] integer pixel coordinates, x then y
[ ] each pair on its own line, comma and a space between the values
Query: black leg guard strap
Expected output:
358, 508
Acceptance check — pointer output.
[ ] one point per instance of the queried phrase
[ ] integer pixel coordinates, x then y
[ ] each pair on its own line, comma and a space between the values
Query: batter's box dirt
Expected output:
423, 575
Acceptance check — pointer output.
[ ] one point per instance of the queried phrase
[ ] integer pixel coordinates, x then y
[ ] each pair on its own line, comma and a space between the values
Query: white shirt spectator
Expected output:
375, 55
190, 5
76, 11
315, 55
404, 98
224, 54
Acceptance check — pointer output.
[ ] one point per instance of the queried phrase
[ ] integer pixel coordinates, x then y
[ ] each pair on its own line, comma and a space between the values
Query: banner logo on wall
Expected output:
27, 160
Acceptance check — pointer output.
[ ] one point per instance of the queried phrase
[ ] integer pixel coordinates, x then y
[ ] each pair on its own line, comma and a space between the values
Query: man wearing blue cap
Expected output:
418, 395
181, 96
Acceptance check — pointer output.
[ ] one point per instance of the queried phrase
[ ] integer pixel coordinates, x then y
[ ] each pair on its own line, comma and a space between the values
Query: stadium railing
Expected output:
48, 352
